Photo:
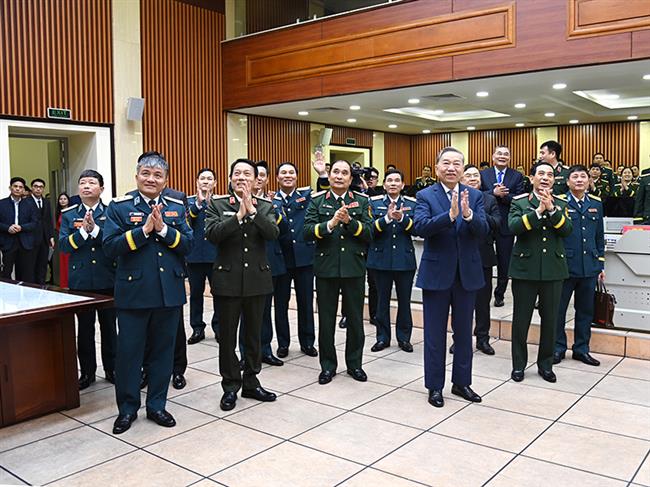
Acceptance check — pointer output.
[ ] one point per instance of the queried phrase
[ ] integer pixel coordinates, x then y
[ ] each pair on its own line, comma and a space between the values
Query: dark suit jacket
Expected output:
44, 231
514, 181
493, 217
449, 246
27, 219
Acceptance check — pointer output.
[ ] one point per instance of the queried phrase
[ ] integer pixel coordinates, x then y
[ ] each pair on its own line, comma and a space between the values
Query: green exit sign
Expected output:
64, 113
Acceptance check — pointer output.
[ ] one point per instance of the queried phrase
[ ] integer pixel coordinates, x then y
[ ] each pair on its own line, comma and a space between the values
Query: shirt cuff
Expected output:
83, 233
163, 231
471, 215
387, 220
539, 213
95, 231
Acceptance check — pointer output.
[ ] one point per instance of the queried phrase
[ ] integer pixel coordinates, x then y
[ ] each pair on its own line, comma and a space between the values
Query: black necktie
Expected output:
40, 204
580, 204
152, 203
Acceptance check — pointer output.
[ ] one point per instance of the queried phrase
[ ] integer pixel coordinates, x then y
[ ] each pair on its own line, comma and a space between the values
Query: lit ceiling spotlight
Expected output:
646, 77
392, 126
632, 117
303, 113
355, 107
520, 124
352, 120
482, 94
559, 86
426, 131
471, 127
520, 105
414, 101
549, 114
574, 121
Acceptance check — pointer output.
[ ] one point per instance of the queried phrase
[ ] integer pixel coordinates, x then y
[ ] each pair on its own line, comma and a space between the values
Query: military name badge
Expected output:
593, 210
171, 214
302, 198
78, 223
354, 204
136, 216
231, 200
405, 208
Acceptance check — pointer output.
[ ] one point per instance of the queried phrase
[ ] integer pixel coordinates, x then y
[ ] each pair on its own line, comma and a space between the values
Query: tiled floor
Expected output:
591, 428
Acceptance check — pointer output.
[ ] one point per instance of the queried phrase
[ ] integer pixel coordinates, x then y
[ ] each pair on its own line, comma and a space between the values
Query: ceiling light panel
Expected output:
437, 116
614, 101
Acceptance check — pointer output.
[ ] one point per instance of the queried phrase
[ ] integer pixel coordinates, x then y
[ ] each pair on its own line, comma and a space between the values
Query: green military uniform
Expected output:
602, 188
629, 192
561, 174
610, 177
339, 267
642, 201
538, 267
421, 183
528, 185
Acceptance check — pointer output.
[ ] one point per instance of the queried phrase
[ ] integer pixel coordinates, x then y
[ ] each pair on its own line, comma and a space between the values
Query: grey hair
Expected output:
449, 149
154, 161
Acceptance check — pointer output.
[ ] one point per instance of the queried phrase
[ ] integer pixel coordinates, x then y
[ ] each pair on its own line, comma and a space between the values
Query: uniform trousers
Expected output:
525, 293
328, 290
22, 260
86, 337
583, 289
198, 273
303, 280
403, 286
504, 244
266, 333
372, 293
180, 349
251, 310
155, 328
482, 307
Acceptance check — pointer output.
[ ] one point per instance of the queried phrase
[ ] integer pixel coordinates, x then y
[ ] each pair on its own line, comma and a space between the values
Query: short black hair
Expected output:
391, 166
533, 169
577, 168
373, 170
598, 154
285, 163
394, 171
553, 146
37, 180
245, 161
263, 164
425, 166
17, 179
593, 164
91, 173
484, 164
205, 169
470, 166
341, 160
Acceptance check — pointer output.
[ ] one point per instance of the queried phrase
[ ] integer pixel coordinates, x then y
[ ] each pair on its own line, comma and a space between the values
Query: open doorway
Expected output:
350, 154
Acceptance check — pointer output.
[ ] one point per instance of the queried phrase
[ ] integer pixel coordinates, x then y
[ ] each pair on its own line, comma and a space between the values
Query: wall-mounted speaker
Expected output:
325, 136
134, 109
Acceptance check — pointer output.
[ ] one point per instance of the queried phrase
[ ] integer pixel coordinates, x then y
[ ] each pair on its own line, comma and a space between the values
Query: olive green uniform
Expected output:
538, 267
602, 188
629, 192
642, 201
421, 183
339, 267
561, 174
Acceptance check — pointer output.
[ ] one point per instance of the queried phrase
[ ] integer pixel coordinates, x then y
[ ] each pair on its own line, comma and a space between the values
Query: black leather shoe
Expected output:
272, 360
228, 401
485, 347
260, 394
466, 393
547, 375
517, 375
110, 376
196, 337
311, 351
178, 381
283, 352
452, 348
123, 423
85, 381
161, 418
585, 358
557, 357
326, 376
358, 374
499, 303
144, 380
379, 346
435, 398
406, 346
343, 322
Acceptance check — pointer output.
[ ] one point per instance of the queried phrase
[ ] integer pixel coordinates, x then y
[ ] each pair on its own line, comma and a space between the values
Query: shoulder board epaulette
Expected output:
220, 196
318, 193
560, 196
360, 194
277, 197
304, 188
120, 199
410, 198
69, 208
262, 198
377, 197
193, 196
566, 167
594, 197
519, 196
173, 199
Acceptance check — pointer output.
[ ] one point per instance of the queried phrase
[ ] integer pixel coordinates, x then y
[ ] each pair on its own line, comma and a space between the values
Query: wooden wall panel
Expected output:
363, 137
522, 143
56, 54
277, 140
181, 76
619, 142
596, 17
397, 151
424, 149
269, 14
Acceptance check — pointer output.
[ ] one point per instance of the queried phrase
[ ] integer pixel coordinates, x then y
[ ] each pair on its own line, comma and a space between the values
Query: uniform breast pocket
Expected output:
265, 268
129, 275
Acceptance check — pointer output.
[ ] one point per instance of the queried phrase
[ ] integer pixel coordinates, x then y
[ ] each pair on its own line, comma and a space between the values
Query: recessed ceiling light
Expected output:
574, 121
235, 140
520, 105
352, 120
559, 86
632, 117
414, 101
549, 114
646, 77
392, 126
303, 113
426, 131
482, 94
471, 127
520, 124
355, 107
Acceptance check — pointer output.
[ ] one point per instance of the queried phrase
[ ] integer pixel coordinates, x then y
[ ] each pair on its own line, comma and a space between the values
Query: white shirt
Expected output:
163, 232
450, 193
286, 196
82, 230
386, 218
38, 201
16, 203
503, 174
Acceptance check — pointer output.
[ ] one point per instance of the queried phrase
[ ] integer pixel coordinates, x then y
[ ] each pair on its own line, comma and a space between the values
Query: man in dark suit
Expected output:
239, 225
503, 183
44, 233
451, 218
18, 221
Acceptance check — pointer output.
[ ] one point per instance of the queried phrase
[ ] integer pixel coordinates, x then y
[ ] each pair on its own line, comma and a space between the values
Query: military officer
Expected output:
597, 185
89, 269
550, 152
537, 268
291, 204
239, 225
642, 201
141, 230
626, 186
585, 251
392, 257
425, 180
339, 221
202, 256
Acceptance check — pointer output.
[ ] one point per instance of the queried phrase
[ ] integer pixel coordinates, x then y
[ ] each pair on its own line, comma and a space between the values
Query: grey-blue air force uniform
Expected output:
89, 269
199, 266
298, 257
392, 255
149, 294
585, 252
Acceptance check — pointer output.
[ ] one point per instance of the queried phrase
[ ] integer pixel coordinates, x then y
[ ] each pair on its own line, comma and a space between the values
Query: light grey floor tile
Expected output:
35, 429
632, 368
343, 392
643, 475
373, 477
535, 401
623, 389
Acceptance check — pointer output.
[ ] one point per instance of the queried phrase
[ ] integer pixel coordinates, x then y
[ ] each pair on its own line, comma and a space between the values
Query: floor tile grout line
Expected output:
103, 462
647, 440
367, 467
636, 472
81, 425
14, 475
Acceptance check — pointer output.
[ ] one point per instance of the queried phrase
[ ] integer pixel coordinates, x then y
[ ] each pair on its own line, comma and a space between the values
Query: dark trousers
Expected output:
403, 286
327, 297
198, 273
251, 309
41, 251
22, 260
372, 294
86, 337
180, 349
482, 307
155, 328
266, 332
303, 280
504, 244
525, 294
583, 289
436, 315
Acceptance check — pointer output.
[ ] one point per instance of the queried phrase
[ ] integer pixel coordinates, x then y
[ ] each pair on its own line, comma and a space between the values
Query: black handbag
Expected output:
604, 305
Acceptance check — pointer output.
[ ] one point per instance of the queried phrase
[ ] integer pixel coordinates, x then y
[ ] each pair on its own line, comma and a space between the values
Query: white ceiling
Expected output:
533, 89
